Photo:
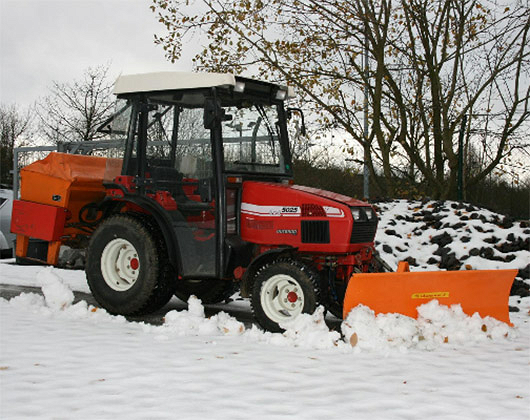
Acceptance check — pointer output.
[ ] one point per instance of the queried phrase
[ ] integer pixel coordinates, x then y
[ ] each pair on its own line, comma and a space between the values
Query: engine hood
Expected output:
344, 199
278, 197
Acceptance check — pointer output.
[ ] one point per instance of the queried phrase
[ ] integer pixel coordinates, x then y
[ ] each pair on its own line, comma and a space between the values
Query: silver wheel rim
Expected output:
281, 298
120, 264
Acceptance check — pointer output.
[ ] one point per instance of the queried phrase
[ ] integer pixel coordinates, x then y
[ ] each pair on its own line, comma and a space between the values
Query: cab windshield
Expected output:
251, 140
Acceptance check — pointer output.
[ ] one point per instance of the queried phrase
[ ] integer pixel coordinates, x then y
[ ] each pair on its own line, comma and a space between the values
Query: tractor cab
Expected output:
190, 141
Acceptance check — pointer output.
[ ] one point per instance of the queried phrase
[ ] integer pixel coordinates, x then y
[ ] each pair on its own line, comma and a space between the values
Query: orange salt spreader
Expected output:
482, 291
53, 193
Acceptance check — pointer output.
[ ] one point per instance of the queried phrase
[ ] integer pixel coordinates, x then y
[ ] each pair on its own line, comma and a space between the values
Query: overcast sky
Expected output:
56, 40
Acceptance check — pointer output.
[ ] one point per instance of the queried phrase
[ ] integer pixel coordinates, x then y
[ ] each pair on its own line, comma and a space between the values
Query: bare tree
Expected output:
14, 124
73, 111
432, 62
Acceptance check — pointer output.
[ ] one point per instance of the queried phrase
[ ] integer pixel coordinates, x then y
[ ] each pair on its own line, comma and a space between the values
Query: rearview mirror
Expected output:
290, 111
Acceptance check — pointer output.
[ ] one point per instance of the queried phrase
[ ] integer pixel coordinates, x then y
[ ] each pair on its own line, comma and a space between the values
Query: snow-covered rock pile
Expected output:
434, 235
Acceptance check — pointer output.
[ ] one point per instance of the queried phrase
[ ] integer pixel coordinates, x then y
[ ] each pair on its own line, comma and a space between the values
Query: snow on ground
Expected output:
60, 360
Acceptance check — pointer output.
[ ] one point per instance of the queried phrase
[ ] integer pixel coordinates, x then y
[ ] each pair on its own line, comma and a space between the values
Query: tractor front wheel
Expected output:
127, 268
282, 290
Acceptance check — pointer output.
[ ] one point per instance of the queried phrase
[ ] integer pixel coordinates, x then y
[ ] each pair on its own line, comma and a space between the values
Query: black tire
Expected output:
208, 291
276, 281
153, 286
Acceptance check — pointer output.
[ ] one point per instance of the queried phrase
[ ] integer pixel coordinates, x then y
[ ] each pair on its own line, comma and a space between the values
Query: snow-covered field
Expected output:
60, 360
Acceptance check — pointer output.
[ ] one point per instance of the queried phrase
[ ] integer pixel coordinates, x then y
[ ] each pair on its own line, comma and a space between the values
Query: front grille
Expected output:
315, 231
363, 232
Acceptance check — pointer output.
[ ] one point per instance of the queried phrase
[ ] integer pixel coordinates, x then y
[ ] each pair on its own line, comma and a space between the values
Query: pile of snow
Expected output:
437, 325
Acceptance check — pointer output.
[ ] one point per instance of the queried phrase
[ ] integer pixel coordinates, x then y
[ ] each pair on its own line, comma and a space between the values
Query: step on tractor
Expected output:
200, 201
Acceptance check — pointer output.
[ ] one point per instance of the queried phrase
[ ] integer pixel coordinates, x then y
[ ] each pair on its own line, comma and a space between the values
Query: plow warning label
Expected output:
430, 295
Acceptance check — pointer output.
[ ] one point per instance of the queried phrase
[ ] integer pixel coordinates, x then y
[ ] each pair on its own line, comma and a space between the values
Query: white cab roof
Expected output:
172, 80
149, 82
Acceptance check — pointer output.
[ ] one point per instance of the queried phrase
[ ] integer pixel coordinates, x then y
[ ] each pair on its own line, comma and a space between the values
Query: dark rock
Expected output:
442, 251
478, 229
470, 208
465, 239
450, 262
486, 253
473, 216
432, 260
411, 261
458, 225
387, 249
489, 254
506, 223
392, 223
401, 249
464, 218
520, 288
392, 232
442, 239
492, 240
428, 216
474, 252
517, 245
511, 237
513, 309
437, 225
524, 224
524, 273
509, 258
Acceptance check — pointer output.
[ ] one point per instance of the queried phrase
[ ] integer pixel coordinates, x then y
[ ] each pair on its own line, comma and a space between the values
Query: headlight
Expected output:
356, 213
363, 214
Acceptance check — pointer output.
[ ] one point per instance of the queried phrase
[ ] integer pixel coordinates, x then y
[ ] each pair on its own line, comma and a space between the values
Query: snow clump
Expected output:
310, 331
194, 322
56, 293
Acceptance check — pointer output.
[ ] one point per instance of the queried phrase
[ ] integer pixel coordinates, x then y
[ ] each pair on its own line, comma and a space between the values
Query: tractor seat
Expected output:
170, 179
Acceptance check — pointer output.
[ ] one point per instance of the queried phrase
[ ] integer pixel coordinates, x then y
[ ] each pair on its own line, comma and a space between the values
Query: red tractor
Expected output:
201, 201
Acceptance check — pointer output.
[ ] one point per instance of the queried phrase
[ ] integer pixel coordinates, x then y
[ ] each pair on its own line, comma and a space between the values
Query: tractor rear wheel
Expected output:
208, 291
127, 268
282, 290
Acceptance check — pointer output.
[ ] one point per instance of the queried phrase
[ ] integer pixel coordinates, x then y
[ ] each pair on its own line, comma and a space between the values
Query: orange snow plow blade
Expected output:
483, 291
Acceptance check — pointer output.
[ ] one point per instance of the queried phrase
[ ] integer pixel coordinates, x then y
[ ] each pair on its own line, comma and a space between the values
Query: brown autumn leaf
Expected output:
484, 328
446, 340
354, 339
